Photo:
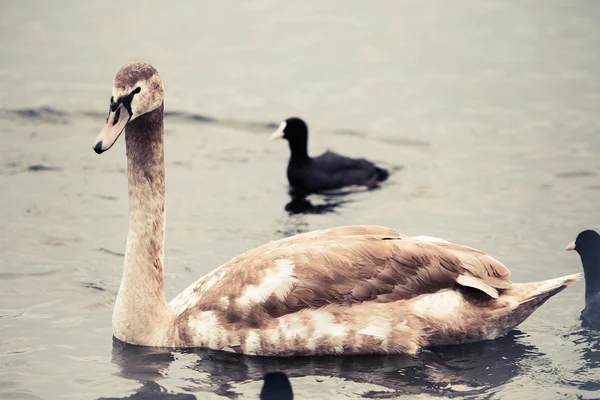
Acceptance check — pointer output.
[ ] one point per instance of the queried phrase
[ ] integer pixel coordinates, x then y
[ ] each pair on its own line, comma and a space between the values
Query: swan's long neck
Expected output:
141, 308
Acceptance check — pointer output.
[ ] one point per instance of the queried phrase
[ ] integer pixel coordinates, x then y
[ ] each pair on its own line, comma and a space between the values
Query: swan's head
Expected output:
586, 242
137, 90
292, 129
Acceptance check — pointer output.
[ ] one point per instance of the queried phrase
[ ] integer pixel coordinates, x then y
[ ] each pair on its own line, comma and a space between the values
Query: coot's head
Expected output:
587, 243
292, 129
277, 386
137, 90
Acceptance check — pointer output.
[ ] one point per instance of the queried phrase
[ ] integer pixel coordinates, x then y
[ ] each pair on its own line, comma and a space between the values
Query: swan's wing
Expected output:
321, 268
191, 295
312, 238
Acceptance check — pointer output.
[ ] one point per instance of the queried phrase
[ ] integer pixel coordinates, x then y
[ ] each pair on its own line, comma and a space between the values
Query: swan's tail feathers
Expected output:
530, 296
539, 292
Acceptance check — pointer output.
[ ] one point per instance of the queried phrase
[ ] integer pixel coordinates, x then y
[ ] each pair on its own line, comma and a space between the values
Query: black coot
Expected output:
587, 245
277, 386
327, 171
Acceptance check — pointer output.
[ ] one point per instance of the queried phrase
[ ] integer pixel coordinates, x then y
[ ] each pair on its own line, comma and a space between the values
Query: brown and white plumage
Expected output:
358, 290
346, 290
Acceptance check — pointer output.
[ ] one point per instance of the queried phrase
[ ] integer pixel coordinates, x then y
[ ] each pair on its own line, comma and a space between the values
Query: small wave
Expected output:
405, 142
39, 114
574, 174
97, 286
112, 253
349, 132
105, 197
18, 275
49, 115
41, 168
190, 116
94, 114
400, 141
12, 168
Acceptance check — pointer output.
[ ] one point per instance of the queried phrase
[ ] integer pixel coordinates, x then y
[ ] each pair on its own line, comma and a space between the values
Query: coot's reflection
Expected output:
474, 368
587, 342
322, 202
299, 207
302, 205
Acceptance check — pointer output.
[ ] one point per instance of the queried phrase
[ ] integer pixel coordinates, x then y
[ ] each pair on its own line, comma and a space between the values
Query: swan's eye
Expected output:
110, 108
114, 104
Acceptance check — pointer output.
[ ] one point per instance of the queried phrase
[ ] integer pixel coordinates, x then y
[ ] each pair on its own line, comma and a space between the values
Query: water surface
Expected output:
487, 112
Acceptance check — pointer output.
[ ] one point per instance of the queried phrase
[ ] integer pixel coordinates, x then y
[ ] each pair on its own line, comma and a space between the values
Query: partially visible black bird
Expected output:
277, 386
327, 171
587, 245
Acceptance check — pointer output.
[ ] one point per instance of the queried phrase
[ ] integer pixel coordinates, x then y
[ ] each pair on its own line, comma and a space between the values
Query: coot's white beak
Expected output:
571, 246
279, 133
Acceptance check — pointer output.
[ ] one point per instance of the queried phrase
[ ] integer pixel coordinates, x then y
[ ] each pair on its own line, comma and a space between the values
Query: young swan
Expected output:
346, 290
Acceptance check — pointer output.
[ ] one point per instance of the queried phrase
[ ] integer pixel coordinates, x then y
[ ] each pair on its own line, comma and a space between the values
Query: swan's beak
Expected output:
279, 133
115, 124
571, 246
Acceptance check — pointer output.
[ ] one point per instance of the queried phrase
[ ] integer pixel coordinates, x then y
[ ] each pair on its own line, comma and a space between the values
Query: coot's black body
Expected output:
277, 386
327, 171
587, 245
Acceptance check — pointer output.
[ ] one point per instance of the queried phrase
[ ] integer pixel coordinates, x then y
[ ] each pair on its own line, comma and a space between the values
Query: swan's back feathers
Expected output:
342, 266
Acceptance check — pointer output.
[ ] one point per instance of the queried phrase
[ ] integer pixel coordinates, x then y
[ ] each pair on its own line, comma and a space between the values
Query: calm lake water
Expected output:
487, 111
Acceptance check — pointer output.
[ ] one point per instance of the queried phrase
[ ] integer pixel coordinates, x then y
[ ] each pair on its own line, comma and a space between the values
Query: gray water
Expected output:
488, 112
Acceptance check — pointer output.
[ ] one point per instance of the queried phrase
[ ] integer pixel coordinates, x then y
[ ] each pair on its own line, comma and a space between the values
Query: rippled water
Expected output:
487, 112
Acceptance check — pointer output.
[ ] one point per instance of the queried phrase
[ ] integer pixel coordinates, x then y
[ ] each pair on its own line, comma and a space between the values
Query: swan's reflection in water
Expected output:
448, 371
